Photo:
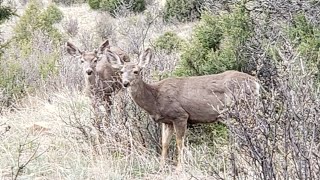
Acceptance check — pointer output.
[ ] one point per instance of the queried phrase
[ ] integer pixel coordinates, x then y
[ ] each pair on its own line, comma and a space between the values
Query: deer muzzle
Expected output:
126, 83
89, 71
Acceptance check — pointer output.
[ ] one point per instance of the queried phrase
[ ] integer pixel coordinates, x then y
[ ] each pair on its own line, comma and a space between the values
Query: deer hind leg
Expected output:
180, 128
167, 131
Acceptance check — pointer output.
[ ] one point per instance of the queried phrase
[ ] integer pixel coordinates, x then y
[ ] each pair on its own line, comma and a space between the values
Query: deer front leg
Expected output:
167, 131
95, 107
107, 106
180, 128
107, 103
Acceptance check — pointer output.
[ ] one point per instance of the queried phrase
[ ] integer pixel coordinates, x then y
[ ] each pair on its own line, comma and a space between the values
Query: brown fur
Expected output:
178, 101
193, 96
104, 79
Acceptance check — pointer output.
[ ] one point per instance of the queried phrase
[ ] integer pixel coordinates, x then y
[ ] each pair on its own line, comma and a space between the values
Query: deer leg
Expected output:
167, 131
180, 128
95, 106
107, 104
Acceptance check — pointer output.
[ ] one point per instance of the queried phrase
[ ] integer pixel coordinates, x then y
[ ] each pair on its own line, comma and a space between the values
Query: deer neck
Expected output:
144, 95
90, 84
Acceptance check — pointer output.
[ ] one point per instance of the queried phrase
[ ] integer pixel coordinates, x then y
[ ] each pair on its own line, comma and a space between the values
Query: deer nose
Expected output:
89, 71
126, 83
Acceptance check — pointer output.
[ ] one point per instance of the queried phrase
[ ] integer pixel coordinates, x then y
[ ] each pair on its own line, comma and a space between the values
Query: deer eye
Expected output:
136, 72
121, 72
82, 61
95, 60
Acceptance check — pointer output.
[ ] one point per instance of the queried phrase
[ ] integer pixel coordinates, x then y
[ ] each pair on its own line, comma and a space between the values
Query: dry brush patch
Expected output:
276, 135
56, 140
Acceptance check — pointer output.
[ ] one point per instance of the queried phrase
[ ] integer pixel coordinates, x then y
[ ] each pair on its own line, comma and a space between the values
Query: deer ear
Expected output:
105, 45
114, 59
145, 58
72, 49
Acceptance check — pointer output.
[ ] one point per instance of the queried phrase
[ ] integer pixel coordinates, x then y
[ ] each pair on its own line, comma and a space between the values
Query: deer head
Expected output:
88, 60
131, 71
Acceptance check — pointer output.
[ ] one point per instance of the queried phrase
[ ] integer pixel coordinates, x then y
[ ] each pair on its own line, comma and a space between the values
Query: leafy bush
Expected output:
114, 6
169, 42
215, 44
182, 10
11, 81
32, 56
266, 129
69, 2
36, 20
94, 4
5, 13
21, 73
48, 18
139, 6
305, 37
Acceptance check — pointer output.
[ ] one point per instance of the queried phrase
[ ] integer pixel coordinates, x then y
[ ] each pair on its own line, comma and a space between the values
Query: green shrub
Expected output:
182, 10
94, 4
112, 6
211, 134
35, 19
50, 17
306, 38
11, 80
139, 6
109, 5
31, 57
28, 23
5, 13
169, 42
215, 44
69, 2
20, 74
209, 33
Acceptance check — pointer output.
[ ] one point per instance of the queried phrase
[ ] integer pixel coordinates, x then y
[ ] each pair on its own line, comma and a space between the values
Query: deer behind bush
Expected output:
101, 79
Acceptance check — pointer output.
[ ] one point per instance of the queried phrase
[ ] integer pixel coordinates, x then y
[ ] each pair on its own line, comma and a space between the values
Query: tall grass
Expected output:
41, 142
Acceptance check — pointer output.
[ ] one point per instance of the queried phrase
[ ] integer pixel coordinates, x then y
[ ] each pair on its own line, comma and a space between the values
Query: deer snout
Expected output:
89, 71
126, 83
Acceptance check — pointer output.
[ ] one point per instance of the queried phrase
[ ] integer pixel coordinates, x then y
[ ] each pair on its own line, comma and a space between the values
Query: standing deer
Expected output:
174, 102
101, 79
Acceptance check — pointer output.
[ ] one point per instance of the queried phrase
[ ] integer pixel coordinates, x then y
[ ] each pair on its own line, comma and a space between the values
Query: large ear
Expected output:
114, 59
72, 49
105, 45
145, 58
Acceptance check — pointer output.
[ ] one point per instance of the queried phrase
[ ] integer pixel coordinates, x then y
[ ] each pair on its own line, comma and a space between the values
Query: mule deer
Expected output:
101, 79
177, 101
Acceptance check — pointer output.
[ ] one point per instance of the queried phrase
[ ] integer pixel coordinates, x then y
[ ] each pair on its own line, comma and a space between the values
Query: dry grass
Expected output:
36, 138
